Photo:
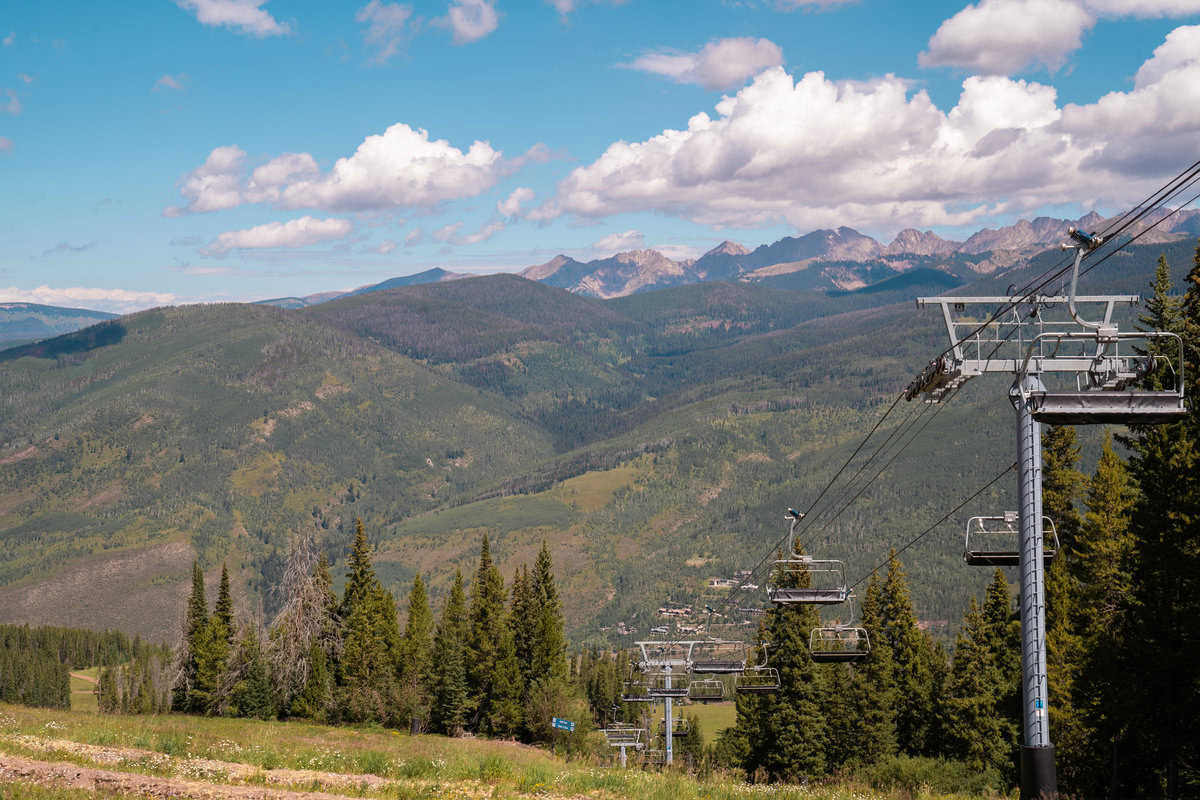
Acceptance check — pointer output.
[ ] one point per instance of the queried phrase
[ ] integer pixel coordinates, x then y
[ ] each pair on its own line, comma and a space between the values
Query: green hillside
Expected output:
652, 441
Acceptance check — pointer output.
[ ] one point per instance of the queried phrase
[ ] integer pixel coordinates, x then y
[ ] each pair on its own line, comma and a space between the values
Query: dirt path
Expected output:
87, 678
14, 769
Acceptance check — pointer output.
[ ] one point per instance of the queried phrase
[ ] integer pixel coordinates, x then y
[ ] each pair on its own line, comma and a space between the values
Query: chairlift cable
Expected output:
934, 526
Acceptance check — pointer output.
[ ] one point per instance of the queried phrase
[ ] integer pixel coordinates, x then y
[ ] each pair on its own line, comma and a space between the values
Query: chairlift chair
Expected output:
624, 734
662, 684
718, 657
991, 541
706, 690
680, 727
803, 580
758, 678
635, 689
838, 644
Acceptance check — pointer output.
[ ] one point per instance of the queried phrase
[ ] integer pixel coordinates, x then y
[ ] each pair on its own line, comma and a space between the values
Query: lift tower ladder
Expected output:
1032, 339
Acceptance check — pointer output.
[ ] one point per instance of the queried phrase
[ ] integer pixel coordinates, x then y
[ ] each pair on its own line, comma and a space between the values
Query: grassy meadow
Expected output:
360, 762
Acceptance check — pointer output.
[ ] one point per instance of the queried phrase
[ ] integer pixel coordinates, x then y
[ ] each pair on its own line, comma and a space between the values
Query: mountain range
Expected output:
836, 259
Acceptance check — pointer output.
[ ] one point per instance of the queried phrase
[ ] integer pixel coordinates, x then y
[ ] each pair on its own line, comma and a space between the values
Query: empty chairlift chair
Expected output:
661, 684
679, 728
838, 643
636, 689
706, 690
758, 678
992, 541
803, 580
718, 657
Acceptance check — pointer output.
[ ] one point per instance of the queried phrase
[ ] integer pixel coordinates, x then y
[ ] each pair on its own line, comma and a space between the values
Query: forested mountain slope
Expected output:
652, 440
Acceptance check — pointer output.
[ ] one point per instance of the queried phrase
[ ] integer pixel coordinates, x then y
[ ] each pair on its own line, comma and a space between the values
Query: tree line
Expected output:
494, 662
35, 661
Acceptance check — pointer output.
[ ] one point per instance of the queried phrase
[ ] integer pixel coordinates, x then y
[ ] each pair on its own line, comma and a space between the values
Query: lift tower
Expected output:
1031, 339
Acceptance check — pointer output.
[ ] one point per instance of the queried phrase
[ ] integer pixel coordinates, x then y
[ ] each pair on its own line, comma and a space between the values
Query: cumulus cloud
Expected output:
13, 106
814, 152
384, 247
172, 82
447, 233
300, 232
119, 301
720, 64
215, 185
402, 167
5, 144
471, 20
1180, 50
511, 205
618, 242
386, 26
244, 16
413, 237
25, 77
267, 181
66, 247
483, 234
999, 37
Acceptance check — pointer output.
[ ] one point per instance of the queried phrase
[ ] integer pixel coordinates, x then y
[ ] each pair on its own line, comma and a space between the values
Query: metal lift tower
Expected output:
1031, 339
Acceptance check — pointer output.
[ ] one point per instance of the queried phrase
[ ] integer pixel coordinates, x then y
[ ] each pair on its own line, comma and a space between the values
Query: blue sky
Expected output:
239, 149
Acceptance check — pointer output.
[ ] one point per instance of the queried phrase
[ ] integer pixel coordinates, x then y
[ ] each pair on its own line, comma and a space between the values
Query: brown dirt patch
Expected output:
105, 497
28, 452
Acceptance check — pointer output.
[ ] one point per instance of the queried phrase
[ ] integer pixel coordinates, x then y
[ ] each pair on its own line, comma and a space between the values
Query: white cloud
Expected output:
720, 64
64, 247
246, 16
13, 106
813, 152
386, 26
1181, 49
1000, 37
215, 185
483, 234
511, 205
174, 82
679, 252
5, 144
413, 237
267, 181
300, 232
447, 233
1144, 8
119, 301
402, 167
384, 247
619, 242
471, 20
25, 77
820, 5
8, 40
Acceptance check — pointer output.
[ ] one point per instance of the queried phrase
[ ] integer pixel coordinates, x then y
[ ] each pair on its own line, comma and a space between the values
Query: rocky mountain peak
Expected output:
728, 248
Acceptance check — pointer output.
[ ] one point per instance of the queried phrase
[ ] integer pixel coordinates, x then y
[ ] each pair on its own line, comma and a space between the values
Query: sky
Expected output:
177, 151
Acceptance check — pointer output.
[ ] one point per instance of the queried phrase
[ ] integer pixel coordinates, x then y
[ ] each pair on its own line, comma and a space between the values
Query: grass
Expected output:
416, 766
83, 694
713, 717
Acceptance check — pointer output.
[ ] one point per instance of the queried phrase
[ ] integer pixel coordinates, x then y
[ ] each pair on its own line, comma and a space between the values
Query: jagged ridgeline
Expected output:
652, 440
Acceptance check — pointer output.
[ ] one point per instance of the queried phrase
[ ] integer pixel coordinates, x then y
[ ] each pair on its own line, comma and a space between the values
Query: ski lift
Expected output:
839, 642
706, 690
992, 541
1106, 372
667, 684
624, 734
656, 758
803, 580
635, 690
758, 678
718, 657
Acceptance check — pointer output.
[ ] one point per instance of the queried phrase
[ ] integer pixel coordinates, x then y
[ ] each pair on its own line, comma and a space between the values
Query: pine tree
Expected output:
223, 610
368, 680
416, 659
252, 694
915, 714
493, 672
548, 651
451, 693
873, 689
982, 724
195, 621
524, 620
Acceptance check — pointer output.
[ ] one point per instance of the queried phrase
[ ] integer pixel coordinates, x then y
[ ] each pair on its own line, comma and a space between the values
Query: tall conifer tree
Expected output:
451, 693
416, 658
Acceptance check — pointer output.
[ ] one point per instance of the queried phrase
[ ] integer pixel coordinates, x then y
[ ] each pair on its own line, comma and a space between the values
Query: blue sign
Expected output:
563, 724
